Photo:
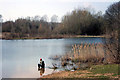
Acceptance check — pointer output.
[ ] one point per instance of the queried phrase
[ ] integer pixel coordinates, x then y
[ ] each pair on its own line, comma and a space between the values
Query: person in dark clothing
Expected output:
41, 67
42, 64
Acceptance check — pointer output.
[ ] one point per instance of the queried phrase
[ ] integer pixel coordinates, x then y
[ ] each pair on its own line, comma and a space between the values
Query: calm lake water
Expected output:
20, 57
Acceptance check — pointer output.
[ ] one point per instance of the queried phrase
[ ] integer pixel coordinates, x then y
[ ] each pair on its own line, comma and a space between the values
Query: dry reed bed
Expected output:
86, 53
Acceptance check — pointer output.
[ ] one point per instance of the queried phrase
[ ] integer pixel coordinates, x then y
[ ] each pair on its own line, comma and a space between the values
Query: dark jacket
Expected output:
43, 64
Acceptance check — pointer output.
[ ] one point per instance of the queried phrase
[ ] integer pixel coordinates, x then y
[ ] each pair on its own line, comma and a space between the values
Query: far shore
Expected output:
52, 37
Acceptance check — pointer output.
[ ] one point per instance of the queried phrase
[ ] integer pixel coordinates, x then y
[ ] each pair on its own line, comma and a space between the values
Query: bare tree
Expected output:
37, 18
44, 18
0, 24
54, 18
0, 20
112, 18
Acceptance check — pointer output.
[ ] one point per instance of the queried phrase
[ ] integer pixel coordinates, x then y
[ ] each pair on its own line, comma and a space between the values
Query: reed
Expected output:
86, 52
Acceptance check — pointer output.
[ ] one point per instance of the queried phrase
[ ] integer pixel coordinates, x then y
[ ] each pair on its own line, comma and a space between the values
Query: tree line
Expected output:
81, 22
78, 22
30, 27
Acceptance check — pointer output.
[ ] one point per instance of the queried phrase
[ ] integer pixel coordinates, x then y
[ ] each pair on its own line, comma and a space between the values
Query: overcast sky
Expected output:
13, 9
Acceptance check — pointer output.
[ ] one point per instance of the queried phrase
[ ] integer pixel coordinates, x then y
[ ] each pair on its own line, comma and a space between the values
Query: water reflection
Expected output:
42, 70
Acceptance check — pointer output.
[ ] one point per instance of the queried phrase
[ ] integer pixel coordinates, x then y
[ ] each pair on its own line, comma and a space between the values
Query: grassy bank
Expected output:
109, 71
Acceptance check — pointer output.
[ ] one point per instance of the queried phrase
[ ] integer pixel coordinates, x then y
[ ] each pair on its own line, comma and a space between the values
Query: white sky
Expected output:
13, 9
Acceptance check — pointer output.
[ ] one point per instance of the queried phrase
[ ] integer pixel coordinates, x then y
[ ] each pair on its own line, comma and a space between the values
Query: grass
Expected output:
102, 76
102, 69
102, 72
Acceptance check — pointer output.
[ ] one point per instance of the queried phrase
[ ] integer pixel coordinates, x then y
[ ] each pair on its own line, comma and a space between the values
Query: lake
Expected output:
20, 57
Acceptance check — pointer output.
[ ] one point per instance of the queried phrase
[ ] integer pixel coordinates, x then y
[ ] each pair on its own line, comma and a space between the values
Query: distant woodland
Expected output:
78, 22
